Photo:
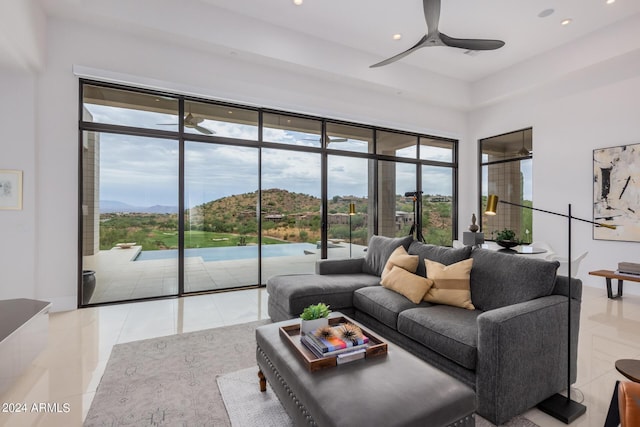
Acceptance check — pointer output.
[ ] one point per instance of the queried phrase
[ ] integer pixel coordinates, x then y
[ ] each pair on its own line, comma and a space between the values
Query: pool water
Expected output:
228, 253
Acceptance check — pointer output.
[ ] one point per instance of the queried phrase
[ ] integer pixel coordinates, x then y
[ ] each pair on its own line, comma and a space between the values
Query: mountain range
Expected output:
112, 206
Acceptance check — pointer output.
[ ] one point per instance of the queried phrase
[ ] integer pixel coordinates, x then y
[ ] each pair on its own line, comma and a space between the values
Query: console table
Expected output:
24, 327
609, 274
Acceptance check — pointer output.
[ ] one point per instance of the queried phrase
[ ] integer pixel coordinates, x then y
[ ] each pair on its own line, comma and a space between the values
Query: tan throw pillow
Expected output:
451, 283
412, 286
399, 257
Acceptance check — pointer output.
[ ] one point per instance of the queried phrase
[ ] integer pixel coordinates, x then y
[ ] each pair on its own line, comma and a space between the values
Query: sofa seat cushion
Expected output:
443, 255
499, 279
449, 331
383, 304
294, 292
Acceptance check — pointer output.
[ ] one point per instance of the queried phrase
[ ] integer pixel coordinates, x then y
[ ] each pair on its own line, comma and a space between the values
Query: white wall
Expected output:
17, 151
44, 264
591, 108
595, 107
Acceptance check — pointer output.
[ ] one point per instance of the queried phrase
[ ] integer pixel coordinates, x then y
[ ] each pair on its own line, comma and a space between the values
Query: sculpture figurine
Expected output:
473, 227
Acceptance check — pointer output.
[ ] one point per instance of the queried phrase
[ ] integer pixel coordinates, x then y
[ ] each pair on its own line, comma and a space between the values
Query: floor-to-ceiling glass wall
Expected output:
129, 197
291, 194
130, 216
291, 211
350, 178
438, 186
348, 206
396, 211
220, 197
506, 170
182, 195
220, 225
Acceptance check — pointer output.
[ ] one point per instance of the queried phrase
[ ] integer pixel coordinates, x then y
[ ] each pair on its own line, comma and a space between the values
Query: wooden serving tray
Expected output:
291, 334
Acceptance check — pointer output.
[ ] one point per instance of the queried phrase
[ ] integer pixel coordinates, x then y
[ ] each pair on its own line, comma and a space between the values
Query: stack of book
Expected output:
335, 346
628, 268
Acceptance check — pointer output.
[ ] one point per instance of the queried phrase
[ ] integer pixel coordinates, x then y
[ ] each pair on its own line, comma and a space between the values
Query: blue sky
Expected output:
143, 171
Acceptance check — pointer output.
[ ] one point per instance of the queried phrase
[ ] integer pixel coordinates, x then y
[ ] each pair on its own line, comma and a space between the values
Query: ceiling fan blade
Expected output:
401, 55
332, 139
471, 44
203, 130
431, 10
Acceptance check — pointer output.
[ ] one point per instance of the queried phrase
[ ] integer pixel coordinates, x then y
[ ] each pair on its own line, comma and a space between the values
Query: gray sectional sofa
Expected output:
512, 349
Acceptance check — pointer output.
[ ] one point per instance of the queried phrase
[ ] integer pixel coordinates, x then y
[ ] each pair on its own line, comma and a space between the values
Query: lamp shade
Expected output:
352, 208
492, 205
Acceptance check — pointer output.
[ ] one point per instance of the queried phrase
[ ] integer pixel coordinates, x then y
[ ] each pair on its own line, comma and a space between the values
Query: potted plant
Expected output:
507, 238
313, 317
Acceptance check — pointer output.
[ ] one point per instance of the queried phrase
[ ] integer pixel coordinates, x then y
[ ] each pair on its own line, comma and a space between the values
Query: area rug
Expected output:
248, 407
171, 381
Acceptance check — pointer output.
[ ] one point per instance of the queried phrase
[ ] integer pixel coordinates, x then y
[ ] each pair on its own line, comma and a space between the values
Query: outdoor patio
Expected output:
119, 277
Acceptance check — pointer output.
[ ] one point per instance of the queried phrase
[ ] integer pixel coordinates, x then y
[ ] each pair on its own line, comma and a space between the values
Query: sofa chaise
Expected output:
509, 344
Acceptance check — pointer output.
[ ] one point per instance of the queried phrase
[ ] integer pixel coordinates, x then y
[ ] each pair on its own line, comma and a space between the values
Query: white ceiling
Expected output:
341, 38
368, 25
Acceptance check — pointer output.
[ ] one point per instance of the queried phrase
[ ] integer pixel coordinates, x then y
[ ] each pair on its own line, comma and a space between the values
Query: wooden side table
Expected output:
630, 368
609, 274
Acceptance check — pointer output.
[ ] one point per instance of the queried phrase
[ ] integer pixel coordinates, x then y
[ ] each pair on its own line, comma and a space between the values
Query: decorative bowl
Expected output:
507, 243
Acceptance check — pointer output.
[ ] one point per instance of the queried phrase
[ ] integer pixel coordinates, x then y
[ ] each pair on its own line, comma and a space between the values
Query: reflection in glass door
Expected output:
291, 212
129, 216
220, 227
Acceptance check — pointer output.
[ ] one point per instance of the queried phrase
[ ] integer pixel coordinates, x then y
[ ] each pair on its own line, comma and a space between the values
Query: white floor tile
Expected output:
80, 341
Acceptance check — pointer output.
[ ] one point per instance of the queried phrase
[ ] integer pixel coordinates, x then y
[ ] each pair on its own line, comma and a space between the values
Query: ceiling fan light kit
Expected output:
435, 38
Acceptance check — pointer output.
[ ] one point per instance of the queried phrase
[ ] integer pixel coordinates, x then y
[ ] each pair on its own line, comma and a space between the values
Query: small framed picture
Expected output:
10, 189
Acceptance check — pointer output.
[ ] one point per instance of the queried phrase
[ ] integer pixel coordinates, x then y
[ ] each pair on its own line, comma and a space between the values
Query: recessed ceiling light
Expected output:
397, 36
297, 2
546, 13
611, 1
566, 22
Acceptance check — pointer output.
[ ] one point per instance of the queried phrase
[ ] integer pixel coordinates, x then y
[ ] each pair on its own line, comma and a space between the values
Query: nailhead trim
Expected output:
288, 390
467, 421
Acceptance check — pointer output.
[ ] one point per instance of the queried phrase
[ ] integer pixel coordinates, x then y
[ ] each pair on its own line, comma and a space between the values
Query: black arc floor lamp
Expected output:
558, 406
352, 212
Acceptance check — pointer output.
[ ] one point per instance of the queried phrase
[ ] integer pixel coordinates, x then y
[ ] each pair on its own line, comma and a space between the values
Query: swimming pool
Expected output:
231, 252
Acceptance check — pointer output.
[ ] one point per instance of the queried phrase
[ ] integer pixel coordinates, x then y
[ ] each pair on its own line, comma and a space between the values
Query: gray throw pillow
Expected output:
379, 251
499, 279
442, 254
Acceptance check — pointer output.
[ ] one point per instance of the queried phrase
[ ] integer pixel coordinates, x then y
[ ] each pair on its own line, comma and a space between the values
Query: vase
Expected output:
88, 285
308, 326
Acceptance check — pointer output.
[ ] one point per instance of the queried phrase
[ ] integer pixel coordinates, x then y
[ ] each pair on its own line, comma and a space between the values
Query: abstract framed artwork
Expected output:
616, 192
10, 189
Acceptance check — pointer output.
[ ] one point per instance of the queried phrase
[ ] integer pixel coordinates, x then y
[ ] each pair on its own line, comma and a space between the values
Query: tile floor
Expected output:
80, 341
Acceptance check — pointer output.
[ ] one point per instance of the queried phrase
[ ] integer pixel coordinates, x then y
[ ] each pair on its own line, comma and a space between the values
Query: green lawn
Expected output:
205, 239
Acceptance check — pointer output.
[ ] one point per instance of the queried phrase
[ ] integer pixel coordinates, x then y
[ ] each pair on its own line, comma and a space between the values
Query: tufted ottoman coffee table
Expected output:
396, 389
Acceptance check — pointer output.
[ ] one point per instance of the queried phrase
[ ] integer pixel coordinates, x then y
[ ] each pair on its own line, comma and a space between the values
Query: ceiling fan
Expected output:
193, 122
436, 38
329, 139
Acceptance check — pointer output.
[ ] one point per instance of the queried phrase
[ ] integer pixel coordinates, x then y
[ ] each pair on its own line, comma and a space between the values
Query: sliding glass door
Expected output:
291, 212
349, 216
220, 224
180, 195
130, 217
